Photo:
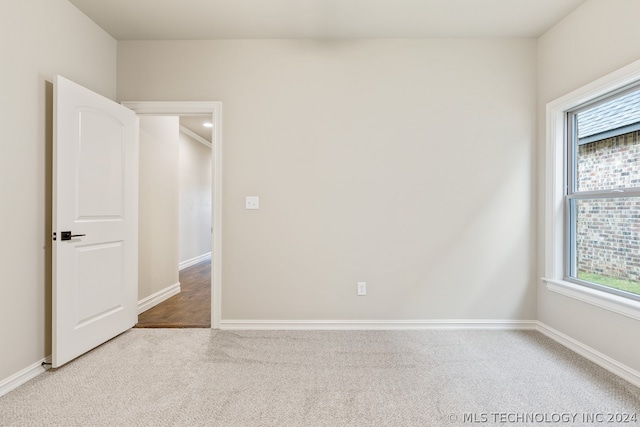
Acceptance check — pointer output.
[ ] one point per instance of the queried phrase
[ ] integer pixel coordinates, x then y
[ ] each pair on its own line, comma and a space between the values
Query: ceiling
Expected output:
319, 19
195, 123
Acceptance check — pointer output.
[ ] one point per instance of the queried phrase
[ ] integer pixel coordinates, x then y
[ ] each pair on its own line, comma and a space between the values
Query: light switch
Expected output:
252, 202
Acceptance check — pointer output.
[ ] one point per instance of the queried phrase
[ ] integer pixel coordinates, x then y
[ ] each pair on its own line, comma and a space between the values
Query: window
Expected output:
592, 193
603, 194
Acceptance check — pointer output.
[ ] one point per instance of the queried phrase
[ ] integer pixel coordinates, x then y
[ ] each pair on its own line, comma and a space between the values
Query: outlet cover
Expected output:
362, 288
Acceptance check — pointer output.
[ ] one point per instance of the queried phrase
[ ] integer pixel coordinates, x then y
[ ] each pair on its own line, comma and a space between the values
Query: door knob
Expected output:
66, 235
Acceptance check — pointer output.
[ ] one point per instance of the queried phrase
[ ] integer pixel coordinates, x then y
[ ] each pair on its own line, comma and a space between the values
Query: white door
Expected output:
95, 220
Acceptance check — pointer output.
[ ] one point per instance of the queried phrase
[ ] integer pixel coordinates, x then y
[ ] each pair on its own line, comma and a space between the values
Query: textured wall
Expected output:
609, 163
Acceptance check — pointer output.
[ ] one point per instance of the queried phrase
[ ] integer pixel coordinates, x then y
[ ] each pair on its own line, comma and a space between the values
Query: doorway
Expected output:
175, 221
213, 110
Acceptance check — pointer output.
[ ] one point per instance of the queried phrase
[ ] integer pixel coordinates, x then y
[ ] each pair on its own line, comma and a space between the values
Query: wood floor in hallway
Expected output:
191, 308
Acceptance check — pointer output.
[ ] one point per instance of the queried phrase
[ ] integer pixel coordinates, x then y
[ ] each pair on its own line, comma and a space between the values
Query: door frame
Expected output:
176, 108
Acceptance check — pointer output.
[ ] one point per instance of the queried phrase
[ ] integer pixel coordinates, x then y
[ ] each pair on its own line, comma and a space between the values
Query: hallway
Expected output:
191, 308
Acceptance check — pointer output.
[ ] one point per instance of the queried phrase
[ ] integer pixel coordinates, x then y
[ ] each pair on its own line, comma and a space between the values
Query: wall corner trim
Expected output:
27, 374
156, 298
600, 359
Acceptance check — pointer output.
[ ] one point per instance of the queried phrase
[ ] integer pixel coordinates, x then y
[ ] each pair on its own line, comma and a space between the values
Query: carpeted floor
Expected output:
197, 377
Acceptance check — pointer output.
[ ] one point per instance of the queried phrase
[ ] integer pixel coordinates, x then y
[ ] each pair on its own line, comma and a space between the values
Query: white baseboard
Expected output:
154, 299
19, 378
591, 354
376, 324
194, 261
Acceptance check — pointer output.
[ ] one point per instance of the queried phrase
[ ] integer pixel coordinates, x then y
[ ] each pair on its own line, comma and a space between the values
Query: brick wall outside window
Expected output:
608, 230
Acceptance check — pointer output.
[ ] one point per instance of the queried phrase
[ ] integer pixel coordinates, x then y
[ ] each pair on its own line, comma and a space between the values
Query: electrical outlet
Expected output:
362, 288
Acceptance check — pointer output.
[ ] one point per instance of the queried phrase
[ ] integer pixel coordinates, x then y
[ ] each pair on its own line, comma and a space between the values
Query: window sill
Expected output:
614, 303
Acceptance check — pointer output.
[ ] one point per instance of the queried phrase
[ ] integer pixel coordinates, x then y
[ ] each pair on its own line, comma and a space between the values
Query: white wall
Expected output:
38, 39
158, 204
407, 164
596, 39
195, 198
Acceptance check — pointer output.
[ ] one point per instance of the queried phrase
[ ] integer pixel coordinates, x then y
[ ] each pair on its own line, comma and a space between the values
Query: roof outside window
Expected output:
616, 117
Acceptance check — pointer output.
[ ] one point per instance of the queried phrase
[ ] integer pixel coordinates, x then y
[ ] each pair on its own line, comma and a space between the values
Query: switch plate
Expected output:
252, 202
362, 288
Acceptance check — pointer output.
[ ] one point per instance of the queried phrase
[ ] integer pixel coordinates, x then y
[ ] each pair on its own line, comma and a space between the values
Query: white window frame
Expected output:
556, 181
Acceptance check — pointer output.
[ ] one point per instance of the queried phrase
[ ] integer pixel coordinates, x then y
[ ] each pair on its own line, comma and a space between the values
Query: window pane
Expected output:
609, 163
608, 144
607, 242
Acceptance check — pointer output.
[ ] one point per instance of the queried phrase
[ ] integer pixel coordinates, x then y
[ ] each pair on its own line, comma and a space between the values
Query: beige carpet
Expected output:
197, 377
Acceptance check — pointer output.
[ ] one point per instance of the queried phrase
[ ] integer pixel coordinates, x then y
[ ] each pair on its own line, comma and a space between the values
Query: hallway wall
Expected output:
195, 198
158, 209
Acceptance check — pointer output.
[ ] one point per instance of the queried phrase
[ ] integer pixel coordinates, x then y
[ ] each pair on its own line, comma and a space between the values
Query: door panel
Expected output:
95, 197
98, 269
100, 166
